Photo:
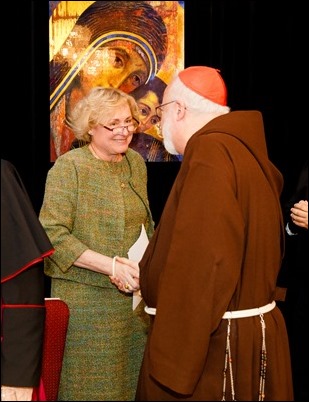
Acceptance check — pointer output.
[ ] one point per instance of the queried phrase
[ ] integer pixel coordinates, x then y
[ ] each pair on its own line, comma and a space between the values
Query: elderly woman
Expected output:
94, 208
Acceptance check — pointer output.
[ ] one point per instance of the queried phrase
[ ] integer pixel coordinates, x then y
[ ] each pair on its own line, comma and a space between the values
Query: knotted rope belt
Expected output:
249, 312
230, 315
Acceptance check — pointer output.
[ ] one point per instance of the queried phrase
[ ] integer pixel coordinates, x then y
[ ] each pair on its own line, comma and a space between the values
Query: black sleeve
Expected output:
22, 329
300, 193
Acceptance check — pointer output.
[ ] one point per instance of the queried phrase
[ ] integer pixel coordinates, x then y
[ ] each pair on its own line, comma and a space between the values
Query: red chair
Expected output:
56, 325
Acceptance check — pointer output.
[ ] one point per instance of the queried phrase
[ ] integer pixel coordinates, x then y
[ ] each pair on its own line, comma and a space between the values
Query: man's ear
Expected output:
181, 110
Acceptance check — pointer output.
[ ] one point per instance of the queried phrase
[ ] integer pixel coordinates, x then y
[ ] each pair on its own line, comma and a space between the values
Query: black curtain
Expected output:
255, 44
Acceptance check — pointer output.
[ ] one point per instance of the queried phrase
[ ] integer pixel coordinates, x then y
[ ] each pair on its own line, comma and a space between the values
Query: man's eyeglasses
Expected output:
159, 108
131, 127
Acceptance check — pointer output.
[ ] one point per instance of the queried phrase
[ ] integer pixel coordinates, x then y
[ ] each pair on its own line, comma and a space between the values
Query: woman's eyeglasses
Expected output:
131, 127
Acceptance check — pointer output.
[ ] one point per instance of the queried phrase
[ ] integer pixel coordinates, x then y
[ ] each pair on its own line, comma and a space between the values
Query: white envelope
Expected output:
135, 253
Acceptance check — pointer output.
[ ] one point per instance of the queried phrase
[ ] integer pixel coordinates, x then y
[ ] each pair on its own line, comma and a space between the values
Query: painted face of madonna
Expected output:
118, 65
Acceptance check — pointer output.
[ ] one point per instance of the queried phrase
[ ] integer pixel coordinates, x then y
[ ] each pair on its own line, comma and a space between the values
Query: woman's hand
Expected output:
126, 275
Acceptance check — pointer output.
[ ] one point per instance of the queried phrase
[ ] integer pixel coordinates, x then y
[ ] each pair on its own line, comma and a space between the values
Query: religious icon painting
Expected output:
136, 46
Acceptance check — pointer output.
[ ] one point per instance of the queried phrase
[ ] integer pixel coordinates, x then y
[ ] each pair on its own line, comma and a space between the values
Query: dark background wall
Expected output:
255, 44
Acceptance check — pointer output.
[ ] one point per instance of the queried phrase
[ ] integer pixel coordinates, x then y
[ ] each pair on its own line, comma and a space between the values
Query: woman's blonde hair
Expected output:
98, 107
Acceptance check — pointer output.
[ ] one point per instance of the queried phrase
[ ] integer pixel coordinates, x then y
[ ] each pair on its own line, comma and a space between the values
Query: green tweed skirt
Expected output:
105, 343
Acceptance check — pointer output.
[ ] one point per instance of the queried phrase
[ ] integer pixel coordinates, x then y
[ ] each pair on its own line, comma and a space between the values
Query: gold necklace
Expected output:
91, 146
109, 164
